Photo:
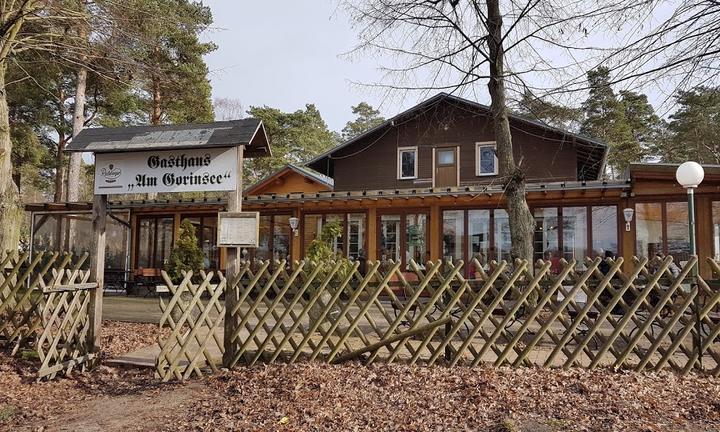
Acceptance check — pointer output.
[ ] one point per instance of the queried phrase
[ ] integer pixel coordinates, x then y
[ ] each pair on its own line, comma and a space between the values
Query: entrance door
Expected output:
446, 167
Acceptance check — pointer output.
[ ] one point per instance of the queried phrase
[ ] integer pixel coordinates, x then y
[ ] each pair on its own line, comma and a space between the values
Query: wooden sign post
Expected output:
97, 270
232, 292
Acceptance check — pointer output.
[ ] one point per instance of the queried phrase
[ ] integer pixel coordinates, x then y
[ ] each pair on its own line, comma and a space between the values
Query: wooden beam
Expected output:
394, 338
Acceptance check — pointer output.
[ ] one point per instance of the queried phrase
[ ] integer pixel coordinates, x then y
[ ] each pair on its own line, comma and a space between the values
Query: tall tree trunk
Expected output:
60, 169
10, 208
73, 187
156, 114
522, 223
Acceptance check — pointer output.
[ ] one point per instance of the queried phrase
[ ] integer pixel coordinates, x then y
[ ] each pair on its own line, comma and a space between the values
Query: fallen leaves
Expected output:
315, 396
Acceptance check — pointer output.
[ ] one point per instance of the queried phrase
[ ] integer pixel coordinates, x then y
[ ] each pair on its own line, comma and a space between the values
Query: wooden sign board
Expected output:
238, 229
182, 170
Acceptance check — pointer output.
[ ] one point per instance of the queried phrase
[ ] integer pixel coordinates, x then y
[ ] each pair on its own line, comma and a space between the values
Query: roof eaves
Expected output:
309, 172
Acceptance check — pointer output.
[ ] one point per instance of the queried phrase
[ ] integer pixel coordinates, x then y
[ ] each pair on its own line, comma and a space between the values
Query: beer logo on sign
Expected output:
110, 173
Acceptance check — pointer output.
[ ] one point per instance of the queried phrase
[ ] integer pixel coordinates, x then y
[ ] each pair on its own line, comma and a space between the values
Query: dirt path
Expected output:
151, 410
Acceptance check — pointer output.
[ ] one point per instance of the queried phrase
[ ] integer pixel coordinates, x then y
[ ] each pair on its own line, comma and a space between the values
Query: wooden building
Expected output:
425, 185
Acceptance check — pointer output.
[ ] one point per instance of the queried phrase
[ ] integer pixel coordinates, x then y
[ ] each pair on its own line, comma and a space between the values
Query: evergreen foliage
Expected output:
295, 138
693, 130
186, 255
367, 118
606, 120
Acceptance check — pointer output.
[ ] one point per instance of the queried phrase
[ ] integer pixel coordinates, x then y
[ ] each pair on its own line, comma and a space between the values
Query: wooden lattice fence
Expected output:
44, 308
638, 315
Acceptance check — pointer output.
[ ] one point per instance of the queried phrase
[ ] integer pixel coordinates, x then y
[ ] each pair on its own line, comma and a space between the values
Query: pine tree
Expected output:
693, 131
644, 124
606, 121
295, 138
367, 118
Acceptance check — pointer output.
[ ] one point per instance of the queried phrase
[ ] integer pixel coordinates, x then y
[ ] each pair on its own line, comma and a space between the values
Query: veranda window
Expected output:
403, 237
485, 234
350, 243
154, 241
662, 228
275, 238
716, 229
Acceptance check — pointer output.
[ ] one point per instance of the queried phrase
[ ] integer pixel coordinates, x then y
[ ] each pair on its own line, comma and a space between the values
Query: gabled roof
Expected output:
248, 132
300, 170
591, 152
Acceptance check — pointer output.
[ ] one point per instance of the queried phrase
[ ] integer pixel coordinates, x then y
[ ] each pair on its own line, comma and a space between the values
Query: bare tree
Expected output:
454, 45
228, 109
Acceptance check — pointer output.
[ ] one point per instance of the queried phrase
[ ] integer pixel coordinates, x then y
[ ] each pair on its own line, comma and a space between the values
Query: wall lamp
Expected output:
628, 213
294, 223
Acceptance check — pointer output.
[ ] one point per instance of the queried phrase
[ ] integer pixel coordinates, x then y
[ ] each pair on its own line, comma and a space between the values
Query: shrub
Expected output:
186, 255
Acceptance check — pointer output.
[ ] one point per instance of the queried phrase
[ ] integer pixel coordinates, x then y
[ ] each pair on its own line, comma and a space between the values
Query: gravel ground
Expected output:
313, 396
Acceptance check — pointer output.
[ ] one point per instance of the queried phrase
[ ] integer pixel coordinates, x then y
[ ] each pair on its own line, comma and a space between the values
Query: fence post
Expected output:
97, 270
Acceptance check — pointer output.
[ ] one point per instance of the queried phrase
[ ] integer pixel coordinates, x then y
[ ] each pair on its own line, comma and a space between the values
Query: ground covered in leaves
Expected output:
315, 396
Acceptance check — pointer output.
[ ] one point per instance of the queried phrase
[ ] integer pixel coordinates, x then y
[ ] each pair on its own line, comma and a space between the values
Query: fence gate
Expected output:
194, 317
44, 310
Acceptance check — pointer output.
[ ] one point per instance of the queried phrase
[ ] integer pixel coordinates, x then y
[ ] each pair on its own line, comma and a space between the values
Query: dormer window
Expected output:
407, 163
486, 162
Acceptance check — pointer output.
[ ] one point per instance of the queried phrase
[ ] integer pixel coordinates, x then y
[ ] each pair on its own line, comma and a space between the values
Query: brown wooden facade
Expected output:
386, 216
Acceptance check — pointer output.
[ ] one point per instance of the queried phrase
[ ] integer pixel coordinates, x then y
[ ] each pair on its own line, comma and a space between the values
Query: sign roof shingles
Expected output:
166, 137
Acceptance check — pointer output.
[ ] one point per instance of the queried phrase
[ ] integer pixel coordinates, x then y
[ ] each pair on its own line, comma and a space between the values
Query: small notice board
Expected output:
238, 229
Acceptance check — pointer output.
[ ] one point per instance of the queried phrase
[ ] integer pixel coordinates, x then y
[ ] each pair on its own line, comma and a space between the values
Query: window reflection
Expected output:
154, 241
678, 243
604, 230
546, 234
351, 241
390, 237
574, 228
416, 238
453, 233
503, 243
206, 232
648, 228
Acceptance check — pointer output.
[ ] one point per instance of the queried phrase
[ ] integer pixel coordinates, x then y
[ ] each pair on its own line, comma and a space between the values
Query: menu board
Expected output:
238, 229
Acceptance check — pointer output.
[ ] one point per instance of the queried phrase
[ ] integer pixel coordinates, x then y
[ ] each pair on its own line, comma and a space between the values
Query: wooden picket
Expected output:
635, 315
44, 305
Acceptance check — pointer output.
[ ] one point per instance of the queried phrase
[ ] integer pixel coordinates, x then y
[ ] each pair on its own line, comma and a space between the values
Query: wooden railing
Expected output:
635, 315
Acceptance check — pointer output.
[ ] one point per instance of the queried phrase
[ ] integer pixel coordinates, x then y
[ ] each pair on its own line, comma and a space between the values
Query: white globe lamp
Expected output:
690, 174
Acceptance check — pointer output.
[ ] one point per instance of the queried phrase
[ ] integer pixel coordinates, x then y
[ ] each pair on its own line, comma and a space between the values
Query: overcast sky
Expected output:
285, 54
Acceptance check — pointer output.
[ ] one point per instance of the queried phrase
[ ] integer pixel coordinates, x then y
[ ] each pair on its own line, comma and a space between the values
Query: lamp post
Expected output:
690, 175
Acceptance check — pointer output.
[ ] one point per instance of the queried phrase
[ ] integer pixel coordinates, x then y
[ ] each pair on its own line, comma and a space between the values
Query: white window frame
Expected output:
400, 151
478, 146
